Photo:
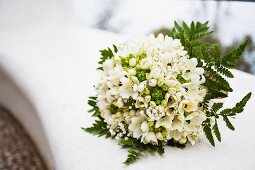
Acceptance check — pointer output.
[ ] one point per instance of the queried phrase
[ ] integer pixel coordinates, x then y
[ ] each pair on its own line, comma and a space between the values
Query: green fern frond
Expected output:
99, 128
208, 133
230, 60
216, 131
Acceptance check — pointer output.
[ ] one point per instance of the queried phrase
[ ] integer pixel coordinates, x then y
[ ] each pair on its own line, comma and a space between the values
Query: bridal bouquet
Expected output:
164, 91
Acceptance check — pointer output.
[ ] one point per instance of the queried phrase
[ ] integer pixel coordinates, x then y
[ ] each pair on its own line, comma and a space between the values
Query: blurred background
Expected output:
232, 21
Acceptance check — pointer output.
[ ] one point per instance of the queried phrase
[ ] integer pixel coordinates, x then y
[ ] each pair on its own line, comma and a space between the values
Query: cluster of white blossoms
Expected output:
152, 90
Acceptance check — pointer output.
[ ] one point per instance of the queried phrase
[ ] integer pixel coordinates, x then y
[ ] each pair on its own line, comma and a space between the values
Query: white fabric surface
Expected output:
55, 70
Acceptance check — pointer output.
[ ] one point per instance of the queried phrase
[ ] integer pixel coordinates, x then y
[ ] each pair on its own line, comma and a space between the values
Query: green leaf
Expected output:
99, 128
132, 157
115, 48
240, 105
93, 103
228, 123
136, 144
174, 143
226, 112
216, 107
230, 60
216, 131
208, 134
225, 71
106, 54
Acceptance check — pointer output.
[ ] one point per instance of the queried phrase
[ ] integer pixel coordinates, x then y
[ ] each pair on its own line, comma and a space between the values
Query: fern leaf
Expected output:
228, 123
216, 131
225, 71
208, 133
216, 107
132, 157
240, 105
230, 60
99, 128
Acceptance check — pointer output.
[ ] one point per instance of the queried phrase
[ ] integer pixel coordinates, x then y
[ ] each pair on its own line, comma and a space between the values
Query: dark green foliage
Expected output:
226, 114
95, 110
239, 107
216, 107
138, 147
106, 54
223, 70
132, 157
99, 128
228, 123
136, 144
216, 131
173, 143
208, 133
230, 60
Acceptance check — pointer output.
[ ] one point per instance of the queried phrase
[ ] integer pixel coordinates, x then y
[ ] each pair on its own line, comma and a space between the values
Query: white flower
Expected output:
145, 64
106, 114
108, 64
138, 126
115, 74
131, 72
120, 103
187, 106
175, 134
140, 103
155, 73
152, 82
165, 122
126, 90
149, 137
178, 123
141, 86
132, 62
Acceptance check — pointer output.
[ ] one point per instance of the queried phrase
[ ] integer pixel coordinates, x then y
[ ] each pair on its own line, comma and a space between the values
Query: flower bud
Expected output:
165, 87
164, 102
147, 91
132, 112
152, 82
132, 62
183, 140
152, 104
172, 90
120, 103
159, 135
147, 98
160, 83
131, 72
141, 87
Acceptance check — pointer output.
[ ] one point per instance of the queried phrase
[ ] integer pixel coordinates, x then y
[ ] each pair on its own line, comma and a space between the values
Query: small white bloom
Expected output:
152, 83
145, 64
187, 106
131, 72
165, 122
141, 86
126, 90
155, 73
150, 137
132, 62
120, 103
